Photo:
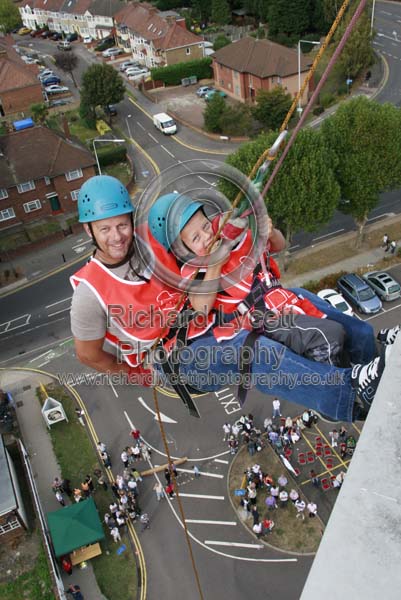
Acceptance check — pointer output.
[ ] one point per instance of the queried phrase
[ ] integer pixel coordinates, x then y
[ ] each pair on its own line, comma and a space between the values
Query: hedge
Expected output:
173, 74
109, 155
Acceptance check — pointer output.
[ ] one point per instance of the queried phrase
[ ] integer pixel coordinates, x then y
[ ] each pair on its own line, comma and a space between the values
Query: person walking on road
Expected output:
158, 488
75, 592
60, 498
276, 408
115, 534
196, 471
226, 431
145, 521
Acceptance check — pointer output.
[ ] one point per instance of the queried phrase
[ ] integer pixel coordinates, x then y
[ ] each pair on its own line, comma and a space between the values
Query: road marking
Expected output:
59, 311
81, 243
58, 302
384, 12
141, 126
321, 237
383, 312
377, 44
216, 475
219, 460
163, 418
206, 181
233, 544
112, 387
293, 247
206, 522
168, 151
153, 138
6, 327
203, 496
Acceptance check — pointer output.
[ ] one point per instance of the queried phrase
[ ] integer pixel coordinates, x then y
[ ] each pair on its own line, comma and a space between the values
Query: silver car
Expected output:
385, 286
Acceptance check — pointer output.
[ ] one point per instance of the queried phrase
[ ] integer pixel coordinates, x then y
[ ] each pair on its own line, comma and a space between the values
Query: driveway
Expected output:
182, 101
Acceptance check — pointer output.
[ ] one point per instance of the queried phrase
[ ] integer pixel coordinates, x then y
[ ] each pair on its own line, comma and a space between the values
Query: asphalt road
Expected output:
387, 24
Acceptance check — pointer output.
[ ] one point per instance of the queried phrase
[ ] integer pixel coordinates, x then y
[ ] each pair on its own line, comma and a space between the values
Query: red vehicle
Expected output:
37, 32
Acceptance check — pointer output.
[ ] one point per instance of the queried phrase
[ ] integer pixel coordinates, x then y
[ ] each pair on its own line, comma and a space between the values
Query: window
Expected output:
25, 187
74, 195
71, 175
47, 181
31, 206
3, 193
7, 213
187, 50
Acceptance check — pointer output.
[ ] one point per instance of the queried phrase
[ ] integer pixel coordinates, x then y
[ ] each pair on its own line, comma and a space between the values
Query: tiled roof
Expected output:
105, 8
177, 37
13, 72
39, 152
76, 7
50, 5
261, 58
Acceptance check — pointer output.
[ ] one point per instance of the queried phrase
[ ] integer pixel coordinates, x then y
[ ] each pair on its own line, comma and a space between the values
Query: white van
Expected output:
164, 123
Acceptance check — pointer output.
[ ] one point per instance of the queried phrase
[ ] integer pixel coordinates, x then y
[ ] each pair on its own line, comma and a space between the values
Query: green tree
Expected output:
201, 10
101, 85
220, 42
236, 120
221, 13
67, 62
357, 54
272, 106
289, 17
39, 112
366, 138
213, 113
10, 17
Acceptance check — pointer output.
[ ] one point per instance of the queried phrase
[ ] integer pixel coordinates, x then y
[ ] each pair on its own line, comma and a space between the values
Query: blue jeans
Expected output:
360, 341
207, 366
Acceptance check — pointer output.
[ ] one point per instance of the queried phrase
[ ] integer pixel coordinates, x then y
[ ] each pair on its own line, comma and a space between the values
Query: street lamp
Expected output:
127, 123
373, 16
299, 68
116, 141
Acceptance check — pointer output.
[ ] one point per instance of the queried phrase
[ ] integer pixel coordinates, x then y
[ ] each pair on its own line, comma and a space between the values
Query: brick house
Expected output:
41, 172
155, 38
19, 85
248, 65
13, 515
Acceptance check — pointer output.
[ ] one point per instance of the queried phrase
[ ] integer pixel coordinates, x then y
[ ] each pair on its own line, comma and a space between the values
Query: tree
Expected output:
305, 192
39, 112
289, 17
213, 112
101, 85
357, 54
220, 42
67, 62
236, 120
366, 138
272, 107
10, 17
220, 12
201, 9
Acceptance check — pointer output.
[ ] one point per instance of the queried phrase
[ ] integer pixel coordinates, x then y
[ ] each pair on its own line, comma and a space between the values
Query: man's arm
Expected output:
91, 353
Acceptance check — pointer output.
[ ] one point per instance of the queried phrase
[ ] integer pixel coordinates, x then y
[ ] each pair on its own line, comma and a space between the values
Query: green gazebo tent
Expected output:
75, 526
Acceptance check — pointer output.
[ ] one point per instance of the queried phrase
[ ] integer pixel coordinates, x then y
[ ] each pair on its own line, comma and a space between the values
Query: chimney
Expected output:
181, 23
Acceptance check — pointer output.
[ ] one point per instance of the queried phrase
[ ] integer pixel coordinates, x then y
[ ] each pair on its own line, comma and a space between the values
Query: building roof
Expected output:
7, 496
261, 58
74, 526
76, 7
145, 20
39, 152
50, 5
104, 8
14, 73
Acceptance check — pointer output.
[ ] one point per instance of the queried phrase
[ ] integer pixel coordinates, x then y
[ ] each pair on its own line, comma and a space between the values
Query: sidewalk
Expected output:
37, 442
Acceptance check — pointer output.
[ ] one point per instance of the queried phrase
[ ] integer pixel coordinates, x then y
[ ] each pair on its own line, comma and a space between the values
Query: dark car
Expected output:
358, 293
110, 110
50, 80
36, 32
105, 44
71, 37
57, 35
46, 34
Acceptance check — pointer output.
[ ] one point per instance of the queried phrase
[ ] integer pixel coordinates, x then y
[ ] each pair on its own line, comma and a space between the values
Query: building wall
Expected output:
20, 99
177, 55
59, 185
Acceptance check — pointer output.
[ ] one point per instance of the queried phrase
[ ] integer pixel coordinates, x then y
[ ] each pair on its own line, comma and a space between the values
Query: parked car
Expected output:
45, 73
336, 300
87, 39
142, 74
383, 284
209, 95
60, 102
24, 31
203, 90
104, 44
37, 32
128, 64
50, 80
135, 71
71, 37
64, 45
358, 293
57, 35
110, 110
110, 52
29, 60
47, 33
56, 89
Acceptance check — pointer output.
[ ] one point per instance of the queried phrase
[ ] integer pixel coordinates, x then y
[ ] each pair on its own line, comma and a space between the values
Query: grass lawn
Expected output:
115, 574
34, 585
120, 170
289, 533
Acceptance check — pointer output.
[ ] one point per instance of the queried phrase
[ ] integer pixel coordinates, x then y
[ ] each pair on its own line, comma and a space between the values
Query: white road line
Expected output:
82, 243
58, 312
216, 475
206, 181
40, 356
293, 247
163, 417
58, 302
377, 44
203, 496
141, 126
6, 326
168, 151
234, 544
224, 462
321, 237
384, 12
113, 388
205, 522
153, 138
383, 312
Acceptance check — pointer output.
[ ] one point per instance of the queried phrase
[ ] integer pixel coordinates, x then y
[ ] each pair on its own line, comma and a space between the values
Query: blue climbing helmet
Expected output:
102, 197
169, 214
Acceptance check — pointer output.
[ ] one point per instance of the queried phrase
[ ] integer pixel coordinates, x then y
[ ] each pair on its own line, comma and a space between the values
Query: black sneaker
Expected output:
366, 378
388, 336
